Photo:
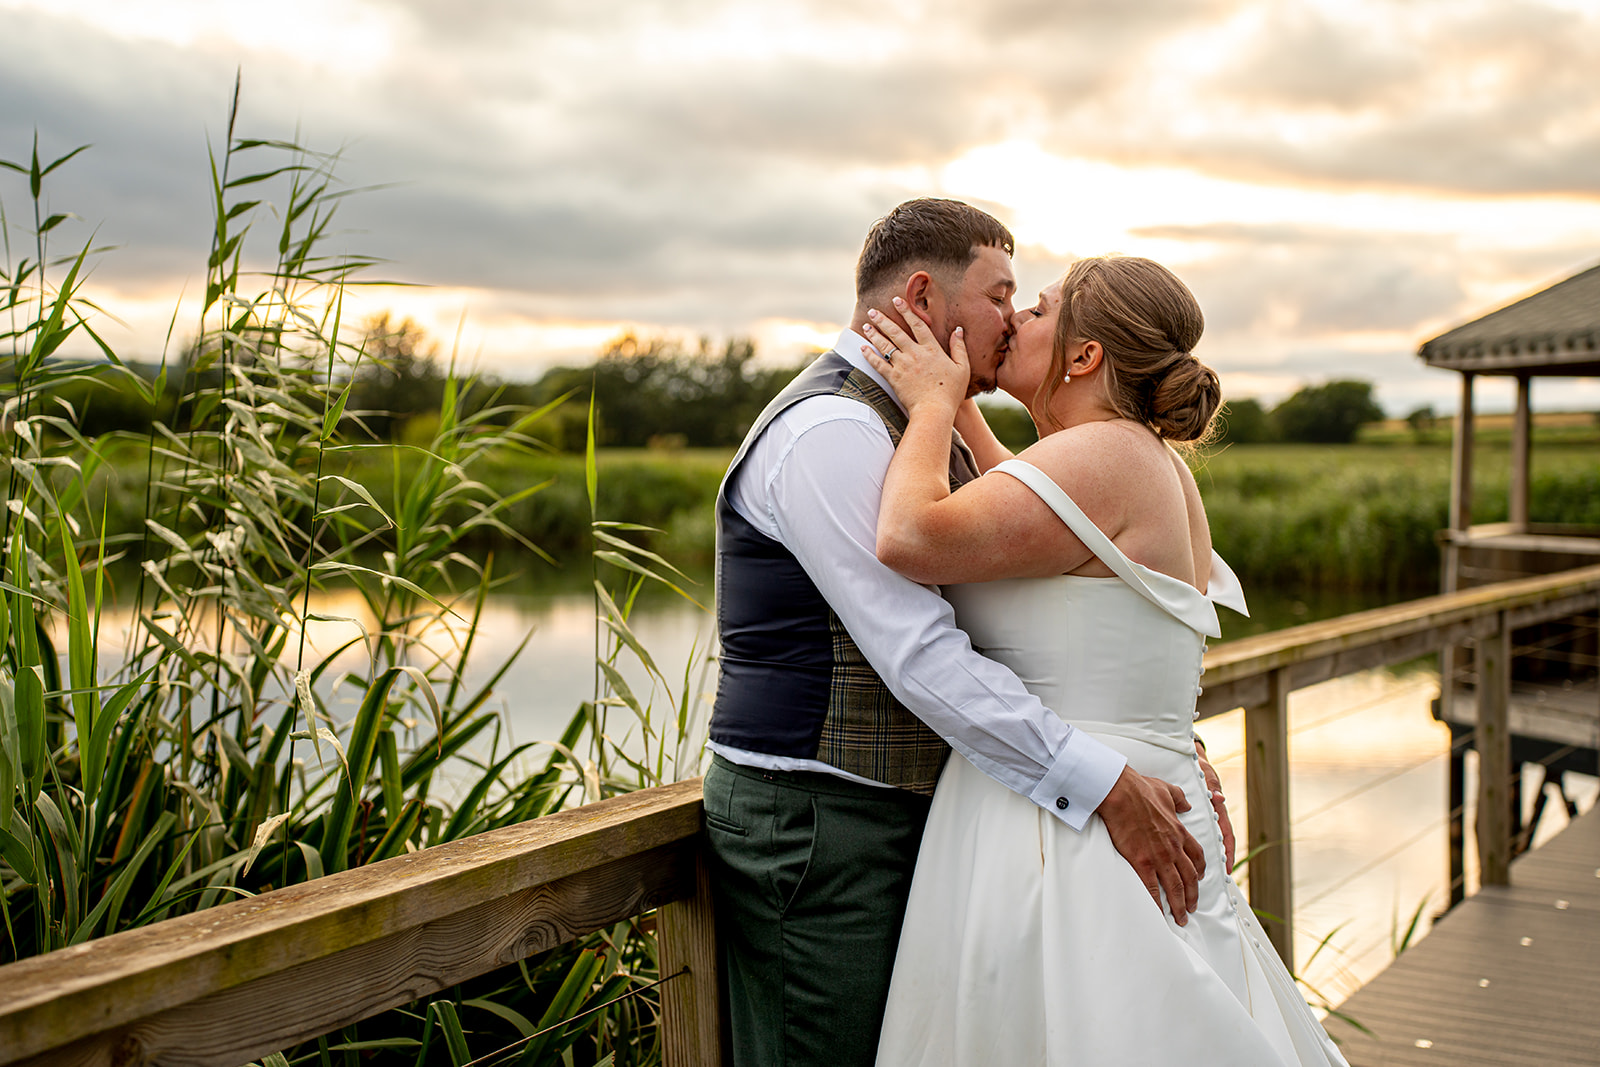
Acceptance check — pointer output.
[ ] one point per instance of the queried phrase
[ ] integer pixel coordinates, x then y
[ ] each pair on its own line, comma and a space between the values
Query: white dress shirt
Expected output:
813, 482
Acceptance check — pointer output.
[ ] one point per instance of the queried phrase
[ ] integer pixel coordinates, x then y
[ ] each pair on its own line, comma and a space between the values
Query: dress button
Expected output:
1062, 803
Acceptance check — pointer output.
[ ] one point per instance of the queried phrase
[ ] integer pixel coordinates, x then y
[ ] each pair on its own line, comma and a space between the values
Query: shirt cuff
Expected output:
1082, 774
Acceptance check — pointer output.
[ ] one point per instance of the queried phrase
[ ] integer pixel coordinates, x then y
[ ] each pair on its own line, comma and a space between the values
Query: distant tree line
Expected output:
1327, 414
647, 392
656, 392
650, 392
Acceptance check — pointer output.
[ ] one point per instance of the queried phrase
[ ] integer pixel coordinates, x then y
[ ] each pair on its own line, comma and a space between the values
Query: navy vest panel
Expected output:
777, 657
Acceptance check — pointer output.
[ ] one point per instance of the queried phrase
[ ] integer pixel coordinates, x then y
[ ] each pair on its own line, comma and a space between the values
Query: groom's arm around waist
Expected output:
814, 481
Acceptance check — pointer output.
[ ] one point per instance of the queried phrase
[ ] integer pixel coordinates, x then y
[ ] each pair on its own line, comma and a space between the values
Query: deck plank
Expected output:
1475, 994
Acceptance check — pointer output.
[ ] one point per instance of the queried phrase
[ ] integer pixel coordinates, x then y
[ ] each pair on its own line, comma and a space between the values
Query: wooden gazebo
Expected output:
1554, 700
1555, 333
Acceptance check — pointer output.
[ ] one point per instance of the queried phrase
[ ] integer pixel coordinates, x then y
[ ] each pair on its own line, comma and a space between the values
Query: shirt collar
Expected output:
849, 346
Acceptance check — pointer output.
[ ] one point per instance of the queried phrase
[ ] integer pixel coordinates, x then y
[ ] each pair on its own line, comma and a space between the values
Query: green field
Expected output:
1316, 517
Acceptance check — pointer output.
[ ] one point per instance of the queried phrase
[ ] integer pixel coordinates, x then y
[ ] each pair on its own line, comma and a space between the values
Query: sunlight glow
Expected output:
1082, 207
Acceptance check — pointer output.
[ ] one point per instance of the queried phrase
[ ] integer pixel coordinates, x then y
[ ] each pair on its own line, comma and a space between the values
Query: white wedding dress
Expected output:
1027, 943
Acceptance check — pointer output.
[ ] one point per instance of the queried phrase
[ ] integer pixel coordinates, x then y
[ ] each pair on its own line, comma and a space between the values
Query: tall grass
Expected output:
1365, 517
219, 754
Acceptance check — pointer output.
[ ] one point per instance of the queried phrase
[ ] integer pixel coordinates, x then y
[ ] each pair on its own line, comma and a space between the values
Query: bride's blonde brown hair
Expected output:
1147, 323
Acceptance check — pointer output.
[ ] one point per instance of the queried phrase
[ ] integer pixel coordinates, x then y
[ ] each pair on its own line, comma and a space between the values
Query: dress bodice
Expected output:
1119, 655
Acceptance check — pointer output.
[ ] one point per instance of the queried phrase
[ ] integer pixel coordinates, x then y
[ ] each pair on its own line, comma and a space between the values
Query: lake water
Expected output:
1368, 763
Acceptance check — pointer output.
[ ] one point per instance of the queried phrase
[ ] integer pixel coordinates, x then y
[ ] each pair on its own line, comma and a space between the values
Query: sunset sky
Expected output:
1337, 181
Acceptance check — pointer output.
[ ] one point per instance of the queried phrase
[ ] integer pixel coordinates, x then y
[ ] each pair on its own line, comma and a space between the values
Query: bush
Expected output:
1328, 414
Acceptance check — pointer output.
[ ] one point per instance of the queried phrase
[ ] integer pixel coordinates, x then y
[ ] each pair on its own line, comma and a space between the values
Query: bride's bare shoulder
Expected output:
1095, 451
1116, 471
1195, 509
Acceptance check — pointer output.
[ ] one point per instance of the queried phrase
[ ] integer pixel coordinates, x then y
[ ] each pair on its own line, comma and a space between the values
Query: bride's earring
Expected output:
1066, 379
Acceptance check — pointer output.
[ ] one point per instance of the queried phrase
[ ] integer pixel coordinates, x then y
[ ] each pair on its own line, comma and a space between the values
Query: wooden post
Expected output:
1460, 518
692, 1031
1521, 445
1461, 461
1494, 756
1266, 786
1458, 817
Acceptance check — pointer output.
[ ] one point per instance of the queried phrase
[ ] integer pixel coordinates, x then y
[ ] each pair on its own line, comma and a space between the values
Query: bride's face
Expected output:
1032, 346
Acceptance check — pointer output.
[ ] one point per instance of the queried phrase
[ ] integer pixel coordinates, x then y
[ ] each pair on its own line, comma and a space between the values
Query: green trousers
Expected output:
810, 875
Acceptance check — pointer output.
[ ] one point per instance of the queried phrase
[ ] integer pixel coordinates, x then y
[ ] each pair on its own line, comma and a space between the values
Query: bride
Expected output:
1085, 565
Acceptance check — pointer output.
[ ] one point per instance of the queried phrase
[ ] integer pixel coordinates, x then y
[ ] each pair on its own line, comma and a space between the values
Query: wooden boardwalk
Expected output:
1509, 977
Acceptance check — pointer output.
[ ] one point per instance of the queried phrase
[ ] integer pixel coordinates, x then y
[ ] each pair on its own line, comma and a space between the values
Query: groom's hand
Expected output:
1141, 815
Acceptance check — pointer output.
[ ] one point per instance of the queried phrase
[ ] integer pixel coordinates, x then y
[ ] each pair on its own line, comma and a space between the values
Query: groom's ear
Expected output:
922, 296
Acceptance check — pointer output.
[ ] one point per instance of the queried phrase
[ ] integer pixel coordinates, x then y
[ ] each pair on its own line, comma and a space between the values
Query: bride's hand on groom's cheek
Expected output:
914, 363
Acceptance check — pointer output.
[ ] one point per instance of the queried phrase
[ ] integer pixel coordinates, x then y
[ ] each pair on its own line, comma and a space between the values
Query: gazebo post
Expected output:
1460, 519
1521, 445
1460, 475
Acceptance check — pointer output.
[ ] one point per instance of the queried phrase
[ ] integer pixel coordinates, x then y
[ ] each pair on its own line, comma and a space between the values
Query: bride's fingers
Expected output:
919, 329
958, 347
876, 361
883, 355
890, 329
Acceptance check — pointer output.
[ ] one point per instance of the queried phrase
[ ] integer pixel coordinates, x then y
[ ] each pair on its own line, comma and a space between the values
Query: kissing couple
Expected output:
956, 812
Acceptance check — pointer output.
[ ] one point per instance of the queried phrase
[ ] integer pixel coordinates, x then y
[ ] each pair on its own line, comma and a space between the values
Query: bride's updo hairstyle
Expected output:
1147, 323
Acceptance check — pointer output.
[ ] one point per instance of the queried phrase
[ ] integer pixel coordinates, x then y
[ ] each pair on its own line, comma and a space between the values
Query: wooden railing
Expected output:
1258, 673
237, 981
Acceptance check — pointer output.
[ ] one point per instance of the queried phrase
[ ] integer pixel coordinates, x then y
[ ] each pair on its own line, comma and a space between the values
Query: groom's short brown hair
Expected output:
930, 233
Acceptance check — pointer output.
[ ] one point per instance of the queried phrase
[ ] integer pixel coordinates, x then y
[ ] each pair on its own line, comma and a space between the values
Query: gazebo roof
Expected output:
1556, 331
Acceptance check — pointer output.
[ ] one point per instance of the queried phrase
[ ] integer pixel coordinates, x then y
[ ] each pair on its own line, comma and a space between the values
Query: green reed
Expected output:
216, 753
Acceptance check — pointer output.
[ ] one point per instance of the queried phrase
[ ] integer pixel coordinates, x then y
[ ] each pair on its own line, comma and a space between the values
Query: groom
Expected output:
843, 685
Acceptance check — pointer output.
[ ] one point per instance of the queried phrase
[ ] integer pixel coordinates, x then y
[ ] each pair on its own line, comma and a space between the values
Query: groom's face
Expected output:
981, 305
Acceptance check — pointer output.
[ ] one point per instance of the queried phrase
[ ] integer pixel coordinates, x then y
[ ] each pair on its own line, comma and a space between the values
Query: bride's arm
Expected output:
974, 430
995, 527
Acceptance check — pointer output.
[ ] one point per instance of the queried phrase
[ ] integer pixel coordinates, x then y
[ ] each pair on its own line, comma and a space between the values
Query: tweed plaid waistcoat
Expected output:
791, 681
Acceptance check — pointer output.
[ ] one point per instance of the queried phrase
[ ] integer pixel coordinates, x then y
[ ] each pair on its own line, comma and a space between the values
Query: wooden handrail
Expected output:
1236, 673
234, 982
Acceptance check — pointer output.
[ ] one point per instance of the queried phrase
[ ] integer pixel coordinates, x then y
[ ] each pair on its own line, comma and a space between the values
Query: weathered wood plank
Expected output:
1266, 783
692, 1015
1493, 741
118, 981
313, 998
1476, 993
1565, 716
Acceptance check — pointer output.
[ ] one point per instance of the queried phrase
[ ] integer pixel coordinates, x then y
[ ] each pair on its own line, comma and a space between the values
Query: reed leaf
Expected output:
335, 847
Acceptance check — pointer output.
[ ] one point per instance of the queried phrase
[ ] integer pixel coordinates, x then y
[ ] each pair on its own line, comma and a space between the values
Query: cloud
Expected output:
1314, 280
1465, 97
713, 164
